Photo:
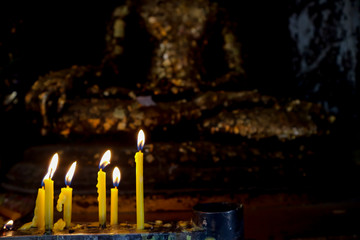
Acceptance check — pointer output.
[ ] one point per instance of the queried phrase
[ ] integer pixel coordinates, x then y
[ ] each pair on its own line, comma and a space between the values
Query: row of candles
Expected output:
44, 207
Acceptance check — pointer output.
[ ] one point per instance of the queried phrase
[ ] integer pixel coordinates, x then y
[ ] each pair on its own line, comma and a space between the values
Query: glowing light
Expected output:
141, 140
8, 225
70, 174
105, 160
53, 166
116, 176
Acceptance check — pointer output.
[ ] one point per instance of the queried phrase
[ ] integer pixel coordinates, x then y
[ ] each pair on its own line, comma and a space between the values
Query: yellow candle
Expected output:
65, 197
49, 207
49, 193
140, 182
101, 186
114, 197
39, 212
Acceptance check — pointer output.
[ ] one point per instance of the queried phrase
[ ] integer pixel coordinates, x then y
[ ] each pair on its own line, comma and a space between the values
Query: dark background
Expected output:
40, 37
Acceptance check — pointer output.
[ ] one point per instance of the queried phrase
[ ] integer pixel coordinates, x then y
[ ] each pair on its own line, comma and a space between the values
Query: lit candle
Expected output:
65, 197
49, 193
140, 181
101, 186
39, 211
114, 197
9, 225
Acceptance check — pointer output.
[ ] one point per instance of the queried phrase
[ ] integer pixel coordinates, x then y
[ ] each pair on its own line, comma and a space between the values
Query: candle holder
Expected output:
179, 230
220, 220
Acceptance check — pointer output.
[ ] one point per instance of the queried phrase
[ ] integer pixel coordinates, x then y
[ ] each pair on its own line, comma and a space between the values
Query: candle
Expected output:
114, 197
65, 197
101, 186
39, 212
9, 225
49, 193
140, 181
39, 216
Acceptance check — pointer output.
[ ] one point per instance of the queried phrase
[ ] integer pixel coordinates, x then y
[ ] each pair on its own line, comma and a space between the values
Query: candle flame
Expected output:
105, 160
116, 176
8, 225
70, 174
53, 165
45, 177
140, 140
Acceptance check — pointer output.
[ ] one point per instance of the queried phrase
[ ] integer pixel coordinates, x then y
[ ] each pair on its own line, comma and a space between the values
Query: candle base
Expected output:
168, 230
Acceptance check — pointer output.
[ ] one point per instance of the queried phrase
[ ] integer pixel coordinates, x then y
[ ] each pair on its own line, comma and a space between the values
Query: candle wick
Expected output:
50, 173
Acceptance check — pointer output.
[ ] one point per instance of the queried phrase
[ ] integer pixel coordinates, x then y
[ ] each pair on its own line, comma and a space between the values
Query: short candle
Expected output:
115, 197
65, 197
39, 212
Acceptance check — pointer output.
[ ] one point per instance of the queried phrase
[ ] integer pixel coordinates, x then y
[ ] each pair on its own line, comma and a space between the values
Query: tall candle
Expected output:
115, 197
49, 193
65, 197
140, 181
101, 186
